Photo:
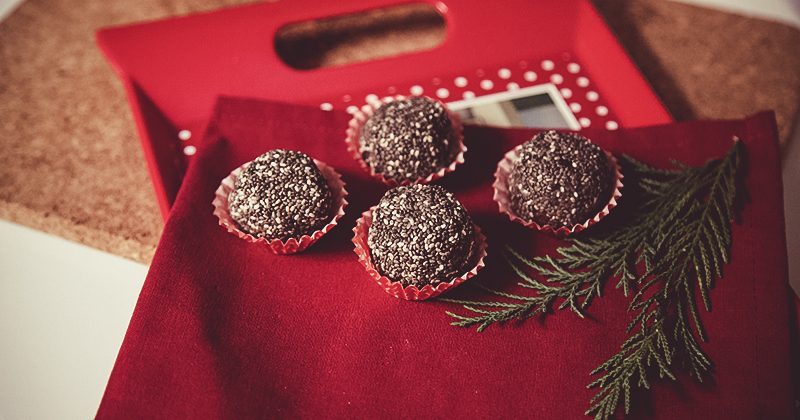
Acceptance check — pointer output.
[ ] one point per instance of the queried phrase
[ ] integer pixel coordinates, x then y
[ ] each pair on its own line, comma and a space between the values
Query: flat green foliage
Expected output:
673, 247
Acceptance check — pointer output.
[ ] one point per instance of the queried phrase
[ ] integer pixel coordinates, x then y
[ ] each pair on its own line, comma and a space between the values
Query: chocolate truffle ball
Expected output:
408, 139
420, 235
560, 179
281, 195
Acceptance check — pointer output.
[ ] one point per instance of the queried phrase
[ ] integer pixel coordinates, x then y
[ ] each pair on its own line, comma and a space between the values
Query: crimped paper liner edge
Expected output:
360, 118
291, 245
411, 292
501, 196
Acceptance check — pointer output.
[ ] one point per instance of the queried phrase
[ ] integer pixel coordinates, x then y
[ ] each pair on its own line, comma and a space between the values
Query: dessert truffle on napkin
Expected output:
280, 195
559, 179
420, 235
408, 139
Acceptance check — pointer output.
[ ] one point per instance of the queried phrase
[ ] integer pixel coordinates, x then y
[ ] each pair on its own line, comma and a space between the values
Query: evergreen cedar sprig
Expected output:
677, 242
691, 211
575, 290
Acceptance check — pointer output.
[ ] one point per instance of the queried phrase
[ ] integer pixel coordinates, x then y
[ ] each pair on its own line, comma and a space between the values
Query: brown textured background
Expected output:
70, 161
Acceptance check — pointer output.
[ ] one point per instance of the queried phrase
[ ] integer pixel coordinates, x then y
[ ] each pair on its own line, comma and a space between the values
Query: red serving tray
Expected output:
174, 69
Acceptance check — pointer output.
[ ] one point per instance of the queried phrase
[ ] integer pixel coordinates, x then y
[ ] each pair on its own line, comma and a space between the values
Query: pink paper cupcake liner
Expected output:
395, 288
277, 246
354, 135
501, 196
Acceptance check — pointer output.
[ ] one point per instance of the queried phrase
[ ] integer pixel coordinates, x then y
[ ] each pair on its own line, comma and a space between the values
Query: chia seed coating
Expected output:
560, 179
420, 235
408, 139
281, 195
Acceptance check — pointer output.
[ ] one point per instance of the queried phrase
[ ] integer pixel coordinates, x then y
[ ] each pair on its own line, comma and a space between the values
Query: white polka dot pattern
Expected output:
564, 72
573, 68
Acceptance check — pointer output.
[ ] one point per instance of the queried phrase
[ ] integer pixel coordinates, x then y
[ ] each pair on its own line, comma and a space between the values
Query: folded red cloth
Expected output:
225, 329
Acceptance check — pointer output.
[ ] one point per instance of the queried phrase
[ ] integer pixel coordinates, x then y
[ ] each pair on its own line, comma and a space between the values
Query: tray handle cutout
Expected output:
362, 36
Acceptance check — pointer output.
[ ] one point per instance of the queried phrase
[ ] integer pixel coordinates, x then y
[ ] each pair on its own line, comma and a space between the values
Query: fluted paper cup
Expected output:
353, 141
277, 246
503, 201
411, 292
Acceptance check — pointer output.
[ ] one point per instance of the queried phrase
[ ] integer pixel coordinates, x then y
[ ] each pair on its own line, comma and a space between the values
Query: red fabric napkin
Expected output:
224, 329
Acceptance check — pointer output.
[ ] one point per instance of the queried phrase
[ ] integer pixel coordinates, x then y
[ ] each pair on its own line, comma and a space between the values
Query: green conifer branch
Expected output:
677, 243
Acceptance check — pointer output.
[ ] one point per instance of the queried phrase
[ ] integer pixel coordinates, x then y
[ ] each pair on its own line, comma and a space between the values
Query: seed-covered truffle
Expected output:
560, 179
281, 195
408, 139
420, 235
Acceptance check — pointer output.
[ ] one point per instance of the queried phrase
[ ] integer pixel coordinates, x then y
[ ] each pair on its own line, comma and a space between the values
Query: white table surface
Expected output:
64, 307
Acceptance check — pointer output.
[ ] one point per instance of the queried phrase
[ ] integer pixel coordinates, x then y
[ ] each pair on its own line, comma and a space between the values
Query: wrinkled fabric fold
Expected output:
223, 329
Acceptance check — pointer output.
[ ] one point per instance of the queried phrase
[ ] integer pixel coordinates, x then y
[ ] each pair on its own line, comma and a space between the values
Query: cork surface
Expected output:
71, 164
705, 64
